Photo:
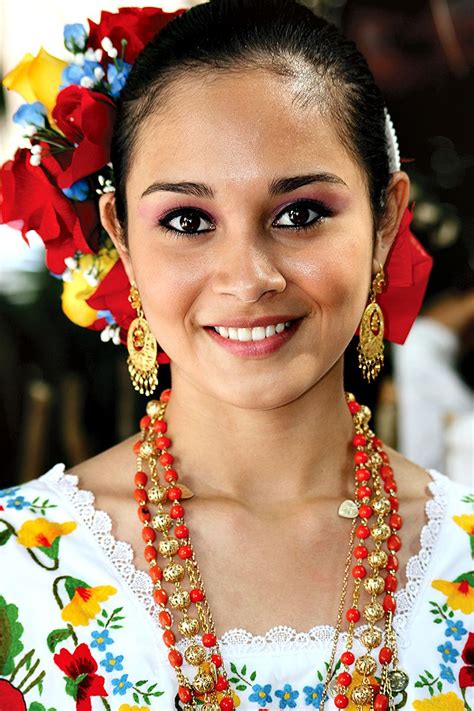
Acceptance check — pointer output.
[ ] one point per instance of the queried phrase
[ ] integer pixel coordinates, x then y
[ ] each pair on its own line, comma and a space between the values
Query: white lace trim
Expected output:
280, 638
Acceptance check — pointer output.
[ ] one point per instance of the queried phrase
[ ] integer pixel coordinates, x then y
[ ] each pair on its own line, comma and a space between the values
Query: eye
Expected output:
303, 214
187, 222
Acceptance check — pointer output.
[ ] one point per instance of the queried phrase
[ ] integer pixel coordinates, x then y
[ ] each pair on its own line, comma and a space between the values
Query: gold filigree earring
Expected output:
371, 330
142, 349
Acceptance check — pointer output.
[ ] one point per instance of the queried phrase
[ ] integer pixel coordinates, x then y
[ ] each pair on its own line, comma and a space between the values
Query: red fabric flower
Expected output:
11, 699
87, 119
136, 25
466, 674
80, 664
31, 201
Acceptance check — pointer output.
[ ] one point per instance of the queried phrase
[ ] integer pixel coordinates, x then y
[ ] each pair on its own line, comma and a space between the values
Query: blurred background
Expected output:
65, 395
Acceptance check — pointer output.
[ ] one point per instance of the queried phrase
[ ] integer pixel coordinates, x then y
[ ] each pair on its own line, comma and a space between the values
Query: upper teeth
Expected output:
251, 334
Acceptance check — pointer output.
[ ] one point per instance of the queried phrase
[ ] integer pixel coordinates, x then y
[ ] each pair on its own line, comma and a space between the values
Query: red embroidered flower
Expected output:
11, 699
87, 119
466, 674
31, 201
82, 681
135, 25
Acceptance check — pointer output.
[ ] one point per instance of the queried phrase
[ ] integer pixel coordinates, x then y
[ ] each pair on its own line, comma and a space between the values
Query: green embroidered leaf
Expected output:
320, 676
57, 636
437, 622
253, 676
10, 636
100, 623
115, 627
431, 690
71, 687
418, 684
157, 693
151, 687
51, 551
466, 577
243, 671
146, 699
233, 668
36, 706
104, 613
35, 500
424, 679
72, 583
235, 680
429, 674
5, 536
140, 683
241, 687
439, 686
136, 697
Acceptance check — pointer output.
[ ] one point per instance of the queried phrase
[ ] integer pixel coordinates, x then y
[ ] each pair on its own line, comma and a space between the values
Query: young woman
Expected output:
257, 200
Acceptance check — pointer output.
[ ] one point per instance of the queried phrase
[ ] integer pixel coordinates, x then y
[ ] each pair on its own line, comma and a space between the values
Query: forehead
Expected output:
240, 127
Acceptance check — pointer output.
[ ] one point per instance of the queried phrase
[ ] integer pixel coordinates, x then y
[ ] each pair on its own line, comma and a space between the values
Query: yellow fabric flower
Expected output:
40, 532
127, 707
466, 522
80, 288
460, 593
442, 702
37, 78
84, 605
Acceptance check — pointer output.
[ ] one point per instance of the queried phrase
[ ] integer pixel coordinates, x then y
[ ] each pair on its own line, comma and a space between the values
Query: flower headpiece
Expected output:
52, 185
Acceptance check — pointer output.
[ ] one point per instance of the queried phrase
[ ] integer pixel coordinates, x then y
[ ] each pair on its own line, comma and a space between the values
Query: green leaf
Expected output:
234, 679
253, 676
320, 676
429, 674
418, 684
100, 623
424, 679
151, 687
81, 677
437, 622
233, 668
104, 613
241, 687
140, 683
136, 697
5, 536
71, 687
57, 636
466, 577
35, 500
115, 627
243, 671
439, 686
146, 699
72, 583
430, 689
11, 632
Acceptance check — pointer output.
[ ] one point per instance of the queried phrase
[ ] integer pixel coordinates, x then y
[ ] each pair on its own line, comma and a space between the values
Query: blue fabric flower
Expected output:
449, 653
101, 640
287, 697
117, 74
18, 503
78, 190
73, 73
112, 663
75, 37
456, 630
121, 685
11, 491
314, 695
261, 694
447, 673
31, 115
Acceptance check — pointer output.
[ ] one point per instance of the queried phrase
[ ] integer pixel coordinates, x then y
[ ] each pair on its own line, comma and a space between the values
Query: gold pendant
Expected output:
348, 509
142, 352
370, 345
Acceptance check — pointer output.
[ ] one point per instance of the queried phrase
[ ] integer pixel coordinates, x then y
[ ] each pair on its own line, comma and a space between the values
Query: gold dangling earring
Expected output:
371, 347
142, 349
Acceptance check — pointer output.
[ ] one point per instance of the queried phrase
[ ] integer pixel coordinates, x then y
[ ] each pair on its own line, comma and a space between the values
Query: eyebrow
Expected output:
278, 186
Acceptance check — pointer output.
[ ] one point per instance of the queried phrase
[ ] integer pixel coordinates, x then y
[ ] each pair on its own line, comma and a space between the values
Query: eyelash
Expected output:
314, 205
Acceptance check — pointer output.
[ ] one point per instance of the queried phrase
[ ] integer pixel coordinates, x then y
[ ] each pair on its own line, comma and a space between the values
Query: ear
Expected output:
396, 202
110, 223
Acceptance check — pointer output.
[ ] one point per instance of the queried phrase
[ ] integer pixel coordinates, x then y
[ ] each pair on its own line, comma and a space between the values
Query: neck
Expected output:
294, 452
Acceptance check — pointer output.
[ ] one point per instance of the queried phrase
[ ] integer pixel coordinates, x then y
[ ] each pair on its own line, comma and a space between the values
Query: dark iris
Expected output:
299, 215
190, 221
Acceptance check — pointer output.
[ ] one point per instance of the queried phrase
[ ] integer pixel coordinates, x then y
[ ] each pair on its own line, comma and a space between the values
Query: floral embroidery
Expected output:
127, 707
466, 673
101, 640
261, 694
84, 600
449, 653
44, 534
455, 629
287, 697
442, 702
18, 503
460, 593
446, 673
81, 680
121, 685
313, 695
112, 663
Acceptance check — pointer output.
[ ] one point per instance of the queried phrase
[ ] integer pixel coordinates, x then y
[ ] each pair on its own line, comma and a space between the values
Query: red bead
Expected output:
174, 493
359, 440
160, 426
168, 638
177, 511
393, 503
162, 442
392, 562
145, 422
385, 655
362, 474
175, 658
381, 702
361, 552
166, 458
359, 572
141, 479
164, 618
156, 574
217, 659
390, 485
353, 615
344, 679
150, 553
181, 531
394, 543
376, 442
395, 521
137, 446
140, 496
386, 472
364, 492
185, 552
360, 457
341, 701
390, 583
209, 640
365, 511
165, 395
221, 683
185, 694
160, 596
384, 456
171, 475
226, 704
389, 604
148, 534
347, 658
362, 531
196, 595
353, 406
144, 514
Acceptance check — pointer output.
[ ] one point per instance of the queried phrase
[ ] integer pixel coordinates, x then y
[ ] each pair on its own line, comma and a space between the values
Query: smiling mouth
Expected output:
258, 333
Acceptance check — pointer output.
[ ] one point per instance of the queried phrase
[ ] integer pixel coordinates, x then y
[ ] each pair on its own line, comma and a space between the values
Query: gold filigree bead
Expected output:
146, 450
180, 600
162, 522
157, 494
366, 665
374, 585
153, 408
373, 612
381, 506
203, 682
371, 638
168, 547
195, 654
173, 572
377, 559
189, 626
210, 706
362, 695
380, 533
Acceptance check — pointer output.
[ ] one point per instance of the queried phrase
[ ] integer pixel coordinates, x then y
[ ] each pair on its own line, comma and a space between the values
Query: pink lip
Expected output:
256, 349
254, 322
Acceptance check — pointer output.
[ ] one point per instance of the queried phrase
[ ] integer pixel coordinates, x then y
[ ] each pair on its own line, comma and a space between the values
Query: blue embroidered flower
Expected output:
78, 190
287, 697
75, 37
121, 685
456, 630
117, 76
314, 695
18, 503
101, 640
261, 694
447, 673
31, 115
112, 663
449, 653
9, 492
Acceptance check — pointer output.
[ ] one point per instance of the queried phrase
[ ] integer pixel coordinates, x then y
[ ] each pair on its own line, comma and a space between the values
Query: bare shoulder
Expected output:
110, 471
411, 478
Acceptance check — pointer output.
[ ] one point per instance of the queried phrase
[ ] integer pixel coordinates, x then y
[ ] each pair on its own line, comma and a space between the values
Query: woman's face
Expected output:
219, 163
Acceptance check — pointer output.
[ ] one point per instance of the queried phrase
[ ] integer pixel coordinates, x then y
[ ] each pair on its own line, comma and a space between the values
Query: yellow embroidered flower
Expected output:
84, 605
40, 532
37, 78
84, 282
460, 593
466, 522
127, 707
442, 702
